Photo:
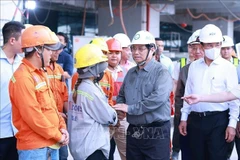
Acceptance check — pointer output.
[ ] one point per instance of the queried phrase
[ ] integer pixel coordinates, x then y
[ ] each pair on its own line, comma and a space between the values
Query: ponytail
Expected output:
79, 80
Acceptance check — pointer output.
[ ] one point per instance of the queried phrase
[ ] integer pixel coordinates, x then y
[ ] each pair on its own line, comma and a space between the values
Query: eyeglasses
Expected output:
140, 49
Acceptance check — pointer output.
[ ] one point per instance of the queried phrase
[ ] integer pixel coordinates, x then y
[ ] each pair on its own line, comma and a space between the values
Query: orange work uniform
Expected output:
34, 110
106, 83
57, 85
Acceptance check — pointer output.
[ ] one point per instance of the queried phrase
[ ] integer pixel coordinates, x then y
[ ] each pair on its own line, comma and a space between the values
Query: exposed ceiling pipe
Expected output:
121, 17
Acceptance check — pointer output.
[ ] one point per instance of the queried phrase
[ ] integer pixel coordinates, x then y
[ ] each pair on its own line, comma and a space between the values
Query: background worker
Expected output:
59, 89
89, 112
65, 59
118, 73
126, 51
144, 97
41, 129
227, 50
183, 141
9, 62
209, 122
160, 57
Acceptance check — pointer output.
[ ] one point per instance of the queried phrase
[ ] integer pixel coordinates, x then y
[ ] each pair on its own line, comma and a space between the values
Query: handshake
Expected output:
121, 110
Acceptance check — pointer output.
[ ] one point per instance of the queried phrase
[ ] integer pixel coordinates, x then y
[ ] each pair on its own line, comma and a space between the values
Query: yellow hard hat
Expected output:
100, 42
88, 55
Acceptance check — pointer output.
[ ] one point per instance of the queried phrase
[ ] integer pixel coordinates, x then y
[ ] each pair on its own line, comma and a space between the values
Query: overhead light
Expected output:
30, 4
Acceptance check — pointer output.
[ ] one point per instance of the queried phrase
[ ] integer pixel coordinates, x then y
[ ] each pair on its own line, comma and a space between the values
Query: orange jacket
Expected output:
57, 85
106, 84
34, 110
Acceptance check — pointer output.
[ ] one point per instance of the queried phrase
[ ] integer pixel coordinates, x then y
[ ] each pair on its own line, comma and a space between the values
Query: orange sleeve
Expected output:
74, 80
111, 82
30, 111
65, 89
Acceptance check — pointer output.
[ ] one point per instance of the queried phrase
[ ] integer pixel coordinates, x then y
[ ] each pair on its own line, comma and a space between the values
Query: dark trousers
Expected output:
63, 153
237, 142
148, 142
97, 155
185, 147
207, 136
112, 149
8, 149
176, 134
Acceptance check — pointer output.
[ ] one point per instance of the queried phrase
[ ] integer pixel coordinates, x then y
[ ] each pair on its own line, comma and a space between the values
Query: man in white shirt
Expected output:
212, 125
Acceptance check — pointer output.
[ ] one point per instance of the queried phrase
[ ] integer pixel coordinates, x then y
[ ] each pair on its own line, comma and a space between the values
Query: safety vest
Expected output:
183, 62
118, 83
235, 61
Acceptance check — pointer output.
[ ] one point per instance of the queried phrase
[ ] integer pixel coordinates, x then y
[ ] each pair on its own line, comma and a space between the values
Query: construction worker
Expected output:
58, 86
126, 51
106, 82
41, 129
227, 50
160, 57
212, 125
9, 62
192, 44
144, 97
89, 112
183, 141
118, 73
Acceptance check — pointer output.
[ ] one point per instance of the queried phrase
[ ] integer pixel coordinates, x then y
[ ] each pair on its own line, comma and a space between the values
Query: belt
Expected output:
153, 124
207, 113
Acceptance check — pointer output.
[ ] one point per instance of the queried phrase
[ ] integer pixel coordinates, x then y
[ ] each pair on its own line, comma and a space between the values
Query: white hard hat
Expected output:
193, 39
143, 37
123, 39
210, 34
227, 41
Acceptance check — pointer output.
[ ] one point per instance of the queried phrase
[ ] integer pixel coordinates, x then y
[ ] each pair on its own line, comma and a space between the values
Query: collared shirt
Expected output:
6, 127
220, 76
88, 121
115, 72
34, 110
58, 85
167, 62
128, 65
176, 69
146, 92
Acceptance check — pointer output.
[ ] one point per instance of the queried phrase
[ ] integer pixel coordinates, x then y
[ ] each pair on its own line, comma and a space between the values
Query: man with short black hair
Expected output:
9, 62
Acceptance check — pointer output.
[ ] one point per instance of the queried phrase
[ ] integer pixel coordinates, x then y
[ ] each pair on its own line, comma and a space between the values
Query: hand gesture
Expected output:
192, 98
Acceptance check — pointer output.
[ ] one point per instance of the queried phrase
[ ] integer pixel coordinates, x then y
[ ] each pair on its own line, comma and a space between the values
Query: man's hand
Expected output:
121, 107
66, 140
183, 128
63, 115
238, 130
230, 134
192, 98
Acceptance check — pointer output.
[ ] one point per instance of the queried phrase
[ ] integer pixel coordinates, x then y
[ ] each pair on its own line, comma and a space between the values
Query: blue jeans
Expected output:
39, 154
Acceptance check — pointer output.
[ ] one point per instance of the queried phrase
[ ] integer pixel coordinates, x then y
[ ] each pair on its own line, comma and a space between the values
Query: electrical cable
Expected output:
121, 17
178, 24
234, 15
84, 17
44, 21
16, 9
111, 13
204, 15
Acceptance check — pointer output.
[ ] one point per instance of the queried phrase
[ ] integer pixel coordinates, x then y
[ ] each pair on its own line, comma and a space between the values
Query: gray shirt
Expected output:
88, 121
146, 92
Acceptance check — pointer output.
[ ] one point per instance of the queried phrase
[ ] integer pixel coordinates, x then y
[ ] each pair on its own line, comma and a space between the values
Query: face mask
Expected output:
212, 53
97, 79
